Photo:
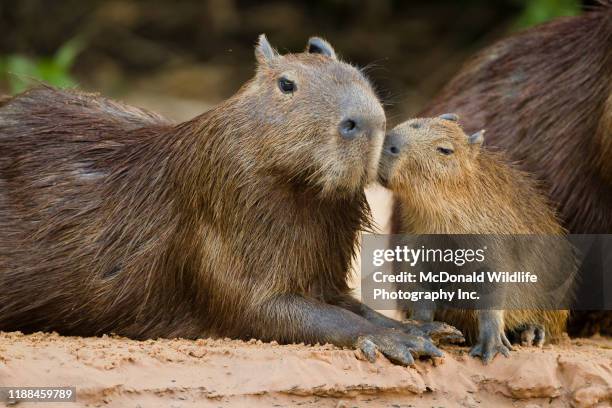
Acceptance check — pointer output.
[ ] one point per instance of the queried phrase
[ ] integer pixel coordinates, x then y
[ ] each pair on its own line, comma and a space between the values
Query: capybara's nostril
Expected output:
349, 128
393, 144
391, 150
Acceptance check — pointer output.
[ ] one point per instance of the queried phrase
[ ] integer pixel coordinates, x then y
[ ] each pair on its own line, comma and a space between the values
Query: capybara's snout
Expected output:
362, 126
362, 117
394, 143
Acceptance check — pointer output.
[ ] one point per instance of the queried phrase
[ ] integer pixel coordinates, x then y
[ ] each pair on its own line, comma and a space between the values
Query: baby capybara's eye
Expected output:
286, 85
445, 151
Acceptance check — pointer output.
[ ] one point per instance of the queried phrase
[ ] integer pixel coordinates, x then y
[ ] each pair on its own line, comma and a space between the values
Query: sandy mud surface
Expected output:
118, 372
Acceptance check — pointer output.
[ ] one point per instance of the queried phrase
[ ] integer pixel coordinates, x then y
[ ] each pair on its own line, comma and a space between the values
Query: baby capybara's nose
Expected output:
356, 127
393, 144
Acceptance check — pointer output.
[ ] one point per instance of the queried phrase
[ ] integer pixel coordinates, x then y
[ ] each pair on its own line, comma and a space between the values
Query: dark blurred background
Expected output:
181, 57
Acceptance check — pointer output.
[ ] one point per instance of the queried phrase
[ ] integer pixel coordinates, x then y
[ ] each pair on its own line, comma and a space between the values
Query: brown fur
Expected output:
545, 97
472, 191
240, 222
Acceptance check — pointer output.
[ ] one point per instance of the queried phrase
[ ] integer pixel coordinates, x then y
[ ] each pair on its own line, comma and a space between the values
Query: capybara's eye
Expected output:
286, 85
445, 150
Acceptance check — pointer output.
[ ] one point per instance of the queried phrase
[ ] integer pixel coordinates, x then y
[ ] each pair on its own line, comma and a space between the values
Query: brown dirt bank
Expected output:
117, 372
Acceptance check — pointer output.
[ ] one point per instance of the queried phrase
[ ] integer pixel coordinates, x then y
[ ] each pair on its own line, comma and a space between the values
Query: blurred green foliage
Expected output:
20, 70
539, 11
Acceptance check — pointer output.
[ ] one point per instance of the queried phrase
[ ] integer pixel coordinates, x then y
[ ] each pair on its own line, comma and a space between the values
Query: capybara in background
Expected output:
445, 182
241, 222
545, 96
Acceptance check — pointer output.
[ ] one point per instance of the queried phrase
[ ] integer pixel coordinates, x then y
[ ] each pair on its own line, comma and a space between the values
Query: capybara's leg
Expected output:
491, 336
422, 315
293, 318
438, 331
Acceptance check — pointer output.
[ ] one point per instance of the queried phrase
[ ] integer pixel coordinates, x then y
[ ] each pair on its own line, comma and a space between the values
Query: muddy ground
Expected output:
118, 372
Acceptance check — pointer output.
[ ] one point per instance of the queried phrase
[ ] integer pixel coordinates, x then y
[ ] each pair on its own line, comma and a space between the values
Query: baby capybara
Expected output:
241, 222
545, 96
445, 182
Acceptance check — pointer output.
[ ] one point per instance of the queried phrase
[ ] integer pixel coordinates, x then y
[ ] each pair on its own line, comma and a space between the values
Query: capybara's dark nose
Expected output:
355, 127
350, 128
393, 144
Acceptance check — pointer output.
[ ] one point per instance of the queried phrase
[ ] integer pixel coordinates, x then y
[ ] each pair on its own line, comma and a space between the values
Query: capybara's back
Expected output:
72, 189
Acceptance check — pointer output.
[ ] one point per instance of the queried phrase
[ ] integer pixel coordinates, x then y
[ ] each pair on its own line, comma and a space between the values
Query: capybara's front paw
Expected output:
439, 332
399, 347
490, 345
531, 335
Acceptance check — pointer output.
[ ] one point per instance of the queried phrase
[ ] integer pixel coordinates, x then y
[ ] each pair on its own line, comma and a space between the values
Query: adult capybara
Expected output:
545, 96
444, 182
241, 222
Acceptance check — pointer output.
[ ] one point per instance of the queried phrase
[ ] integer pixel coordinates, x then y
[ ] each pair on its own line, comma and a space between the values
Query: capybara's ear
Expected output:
264, 51
477, 138
318, 45
449, 116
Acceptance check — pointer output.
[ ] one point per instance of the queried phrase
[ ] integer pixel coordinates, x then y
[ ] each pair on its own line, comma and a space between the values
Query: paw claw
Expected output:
405, 358
433, 350
488, 348
506, 342
439, 332
397, 346
368, 349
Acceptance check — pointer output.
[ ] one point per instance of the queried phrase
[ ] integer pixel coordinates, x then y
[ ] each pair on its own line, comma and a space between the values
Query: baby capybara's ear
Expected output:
453, 117
477, 139
318, 45
264, 51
